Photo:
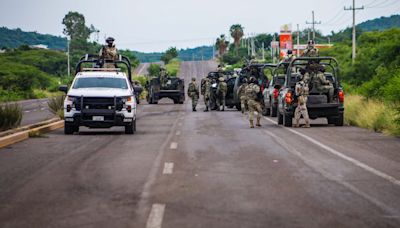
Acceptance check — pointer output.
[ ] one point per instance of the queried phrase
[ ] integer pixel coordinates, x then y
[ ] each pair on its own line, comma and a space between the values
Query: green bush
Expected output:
56, 106
10, 116
154, 69
173, 67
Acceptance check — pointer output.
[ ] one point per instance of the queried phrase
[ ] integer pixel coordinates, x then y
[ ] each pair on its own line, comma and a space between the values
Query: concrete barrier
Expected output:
20, 136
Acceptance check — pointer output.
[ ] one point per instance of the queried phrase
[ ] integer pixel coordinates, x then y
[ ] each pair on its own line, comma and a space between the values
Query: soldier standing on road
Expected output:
242, 95
251, 92
302, 91
193, 92
108, 52
222, 89
205, 91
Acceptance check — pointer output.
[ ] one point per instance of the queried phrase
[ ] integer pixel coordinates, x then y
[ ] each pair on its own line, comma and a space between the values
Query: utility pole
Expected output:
298, 41
68, 61
313, 23
248, 45
263, 52
353, 8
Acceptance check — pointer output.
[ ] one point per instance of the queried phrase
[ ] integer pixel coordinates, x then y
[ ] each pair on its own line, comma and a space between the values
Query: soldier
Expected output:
251, 92
205, 91
321, 84
301, 109
193, 92
311, 51
242, 95
163, 76
289, 57
219, 68
109, 52
222, 89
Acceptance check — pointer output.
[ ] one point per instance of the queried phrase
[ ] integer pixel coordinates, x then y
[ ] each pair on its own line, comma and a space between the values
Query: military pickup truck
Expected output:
173, 88
100, 97
318, 104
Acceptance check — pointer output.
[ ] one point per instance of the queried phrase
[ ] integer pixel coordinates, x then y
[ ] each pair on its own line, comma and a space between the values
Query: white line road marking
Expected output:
156, 216
42, 109
345, 157
174, 146
178, 133
168, 168
27, 111
34, 110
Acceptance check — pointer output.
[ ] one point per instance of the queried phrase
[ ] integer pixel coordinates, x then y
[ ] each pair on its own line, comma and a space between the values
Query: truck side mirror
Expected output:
63, 88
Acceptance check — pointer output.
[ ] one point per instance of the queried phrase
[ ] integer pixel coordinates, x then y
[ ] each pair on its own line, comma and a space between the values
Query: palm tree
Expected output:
237, 33
221, 45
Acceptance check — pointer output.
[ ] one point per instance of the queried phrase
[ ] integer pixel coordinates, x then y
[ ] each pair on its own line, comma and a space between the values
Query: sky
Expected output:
155, 25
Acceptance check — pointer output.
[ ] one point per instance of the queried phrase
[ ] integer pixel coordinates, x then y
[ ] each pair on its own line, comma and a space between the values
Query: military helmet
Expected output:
221, 79
253, 80
289, 52
244, 80
193, 79
110, 39
311, 42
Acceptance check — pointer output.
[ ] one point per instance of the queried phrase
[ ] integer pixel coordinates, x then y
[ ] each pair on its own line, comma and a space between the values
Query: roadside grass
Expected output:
173, 67
142, 80
56, 106
371, 114
10, 116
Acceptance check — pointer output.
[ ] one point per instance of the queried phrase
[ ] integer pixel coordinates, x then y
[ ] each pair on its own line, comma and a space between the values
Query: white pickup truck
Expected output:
100, 98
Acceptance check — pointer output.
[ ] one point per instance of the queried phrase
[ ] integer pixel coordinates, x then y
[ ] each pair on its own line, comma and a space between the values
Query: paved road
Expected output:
34, 111
185, 169
142, 68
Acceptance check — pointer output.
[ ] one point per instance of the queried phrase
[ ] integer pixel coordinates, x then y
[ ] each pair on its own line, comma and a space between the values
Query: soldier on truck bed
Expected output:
108, 52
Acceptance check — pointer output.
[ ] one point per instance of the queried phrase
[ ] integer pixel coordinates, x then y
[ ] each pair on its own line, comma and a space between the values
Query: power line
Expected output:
354, 8
380, 6
313, 23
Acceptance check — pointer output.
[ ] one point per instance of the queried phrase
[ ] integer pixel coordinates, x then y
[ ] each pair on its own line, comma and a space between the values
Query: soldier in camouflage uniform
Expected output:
163, 76
193, 92
109, 52
206, 91
222, 89
311, 50
321, 84
251, 92
301, 109
242, 95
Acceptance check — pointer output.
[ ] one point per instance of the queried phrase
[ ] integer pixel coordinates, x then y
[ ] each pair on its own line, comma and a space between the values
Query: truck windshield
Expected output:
100, 82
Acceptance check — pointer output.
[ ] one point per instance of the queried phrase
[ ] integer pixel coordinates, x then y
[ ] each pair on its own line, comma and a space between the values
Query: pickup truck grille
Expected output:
98, 103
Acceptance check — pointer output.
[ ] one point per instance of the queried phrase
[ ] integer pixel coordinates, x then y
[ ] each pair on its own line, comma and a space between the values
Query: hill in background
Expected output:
13, 38
380, 24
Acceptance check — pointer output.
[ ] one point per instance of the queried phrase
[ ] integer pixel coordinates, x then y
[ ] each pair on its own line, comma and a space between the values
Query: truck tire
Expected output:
69, 129
266, 111
130, 128
238, 107
339, 121
287, 120
331, 120
280, 118
273, 111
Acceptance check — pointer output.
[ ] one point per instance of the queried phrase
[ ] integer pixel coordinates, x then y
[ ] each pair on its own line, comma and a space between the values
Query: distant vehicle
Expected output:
271, 93
317, 104
100, 97
259, 75
174, 89
230, 81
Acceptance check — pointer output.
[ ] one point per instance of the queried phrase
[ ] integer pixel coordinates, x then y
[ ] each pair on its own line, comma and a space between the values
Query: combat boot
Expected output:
297, 124
206, 110
251, 124
307, 125
258, 124
194, 109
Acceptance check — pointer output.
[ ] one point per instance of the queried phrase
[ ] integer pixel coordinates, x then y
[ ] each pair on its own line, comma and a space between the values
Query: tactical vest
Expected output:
251, 91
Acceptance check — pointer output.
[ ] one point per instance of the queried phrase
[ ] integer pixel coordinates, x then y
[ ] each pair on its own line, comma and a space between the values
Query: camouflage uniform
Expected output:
222, 89
205, 91
193, 92
109, 53
163, 76
301, 109
251, 92
243, 98
322, 85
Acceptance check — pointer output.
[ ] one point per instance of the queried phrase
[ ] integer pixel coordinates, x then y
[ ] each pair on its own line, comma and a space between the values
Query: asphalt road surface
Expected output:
197, 169
34, 111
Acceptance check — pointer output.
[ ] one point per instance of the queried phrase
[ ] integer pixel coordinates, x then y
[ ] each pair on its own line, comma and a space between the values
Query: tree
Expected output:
221, 45
171, 53
75, 27
237, 33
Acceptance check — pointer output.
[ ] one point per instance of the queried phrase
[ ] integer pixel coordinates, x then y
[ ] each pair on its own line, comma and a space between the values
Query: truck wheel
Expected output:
280, 118
273, 111
339, 121
331, 120
69, 129
238, 107
287, 120
130, 128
